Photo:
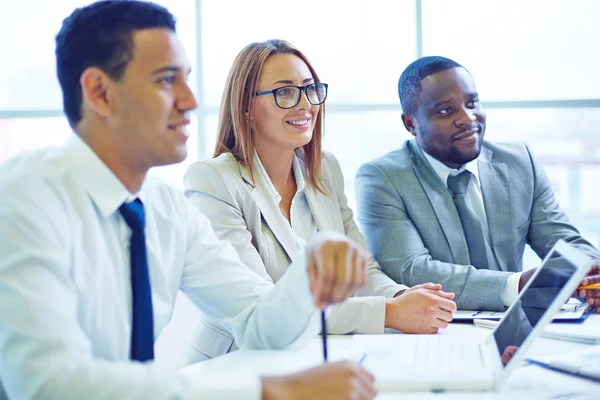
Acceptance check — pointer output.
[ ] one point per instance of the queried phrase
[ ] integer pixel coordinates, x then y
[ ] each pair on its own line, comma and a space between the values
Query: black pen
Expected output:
362, 358
324, 335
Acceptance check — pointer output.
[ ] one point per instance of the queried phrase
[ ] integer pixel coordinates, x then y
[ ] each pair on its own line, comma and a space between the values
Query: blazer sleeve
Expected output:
397, 245
378, 283
217, 200
548, 222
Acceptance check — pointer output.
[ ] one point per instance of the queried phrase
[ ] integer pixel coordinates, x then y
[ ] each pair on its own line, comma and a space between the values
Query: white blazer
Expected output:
239, 212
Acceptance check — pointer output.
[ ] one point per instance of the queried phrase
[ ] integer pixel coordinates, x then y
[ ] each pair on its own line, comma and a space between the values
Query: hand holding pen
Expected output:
336, 268
590, 287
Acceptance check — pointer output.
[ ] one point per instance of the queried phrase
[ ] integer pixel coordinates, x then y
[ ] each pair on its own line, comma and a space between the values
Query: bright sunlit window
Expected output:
534, 67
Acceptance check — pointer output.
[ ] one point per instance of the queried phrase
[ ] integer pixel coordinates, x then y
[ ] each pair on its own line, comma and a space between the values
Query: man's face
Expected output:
450, 121
153, 101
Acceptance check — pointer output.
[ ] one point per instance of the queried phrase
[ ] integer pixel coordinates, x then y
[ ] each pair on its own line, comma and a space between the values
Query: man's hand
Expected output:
525, 277
330, 381
421, 309
508, 354
336, 268
592, 296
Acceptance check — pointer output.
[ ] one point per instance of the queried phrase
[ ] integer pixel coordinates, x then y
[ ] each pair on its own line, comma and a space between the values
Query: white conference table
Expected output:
526, 382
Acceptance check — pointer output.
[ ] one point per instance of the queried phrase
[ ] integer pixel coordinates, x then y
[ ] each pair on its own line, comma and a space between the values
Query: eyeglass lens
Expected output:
288, 97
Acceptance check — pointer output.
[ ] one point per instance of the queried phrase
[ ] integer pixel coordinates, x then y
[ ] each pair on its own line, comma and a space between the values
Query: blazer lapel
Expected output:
324, 209
442, 204
321, 208
270, 211
495, 189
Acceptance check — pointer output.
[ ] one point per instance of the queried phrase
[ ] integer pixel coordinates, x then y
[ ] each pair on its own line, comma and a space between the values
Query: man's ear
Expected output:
409, 123
96, 89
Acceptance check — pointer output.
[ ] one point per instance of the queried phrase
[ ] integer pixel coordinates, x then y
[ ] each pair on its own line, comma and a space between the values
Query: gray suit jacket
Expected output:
414, 231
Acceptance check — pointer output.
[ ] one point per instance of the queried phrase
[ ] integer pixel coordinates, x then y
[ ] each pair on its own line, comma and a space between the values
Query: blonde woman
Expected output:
270, 187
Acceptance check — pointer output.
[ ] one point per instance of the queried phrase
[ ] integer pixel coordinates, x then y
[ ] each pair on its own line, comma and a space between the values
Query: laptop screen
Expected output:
531, 305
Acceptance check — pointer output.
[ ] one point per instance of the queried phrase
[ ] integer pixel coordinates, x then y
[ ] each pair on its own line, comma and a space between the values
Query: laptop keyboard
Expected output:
445, 357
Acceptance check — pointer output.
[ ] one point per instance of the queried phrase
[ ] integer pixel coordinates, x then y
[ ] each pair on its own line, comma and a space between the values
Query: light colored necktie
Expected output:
472, 228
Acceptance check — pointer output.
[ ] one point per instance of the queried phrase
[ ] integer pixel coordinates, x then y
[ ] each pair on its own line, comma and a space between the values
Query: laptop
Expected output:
453, 363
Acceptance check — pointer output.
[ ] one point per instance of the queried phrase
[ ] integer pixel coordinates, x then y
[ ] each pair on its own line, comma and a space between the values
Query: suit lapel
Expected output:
495, 189
270, 211
442, 204
323, 210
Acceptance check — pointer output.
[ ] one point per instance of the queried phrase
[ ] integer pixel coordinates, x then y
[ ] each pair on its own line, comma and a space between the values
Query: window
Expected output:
30, 99
21, 134
532, 66
519, 50
355, 46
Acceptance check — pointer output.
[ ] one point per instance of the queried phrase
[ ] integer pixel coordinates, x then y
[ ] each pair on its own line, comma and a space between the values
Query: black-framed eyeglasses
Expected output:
289, 96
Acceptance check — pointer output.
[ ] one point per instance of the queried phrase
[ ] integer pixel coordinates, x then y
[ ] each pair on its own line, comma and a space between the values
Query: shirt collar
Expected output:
443, 171
102, 185
298, 175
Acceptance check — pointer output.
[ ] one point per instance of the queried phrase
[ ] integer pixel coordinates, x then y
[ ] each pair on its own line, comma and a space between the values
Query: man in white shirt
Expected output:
92, 253
451, 208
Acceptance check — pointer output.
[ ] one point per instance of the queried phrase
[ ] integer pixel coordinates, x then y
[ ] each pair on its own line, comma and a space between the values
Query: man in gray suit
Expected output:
451, 208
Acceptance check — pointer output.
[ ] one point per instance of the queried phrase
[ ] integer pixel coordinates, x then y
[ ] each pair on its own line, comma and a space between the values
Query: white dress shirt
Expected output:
301, 221
65, 319
475, 200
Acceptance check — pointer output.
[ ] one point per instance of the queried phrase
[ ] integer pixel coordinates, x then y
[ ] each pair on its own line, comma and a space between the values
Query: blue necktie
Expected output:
472, 228
142, 327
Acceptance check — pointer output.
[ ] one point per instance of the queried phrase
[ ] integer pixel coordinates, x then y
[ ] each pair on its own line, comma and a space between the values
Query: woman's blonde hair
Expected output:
235, 133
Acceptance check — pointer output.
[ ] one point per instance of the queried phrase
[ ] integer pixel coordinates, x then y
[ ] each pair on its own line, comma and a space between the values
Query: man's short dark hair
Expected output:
409, 84
101, 35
